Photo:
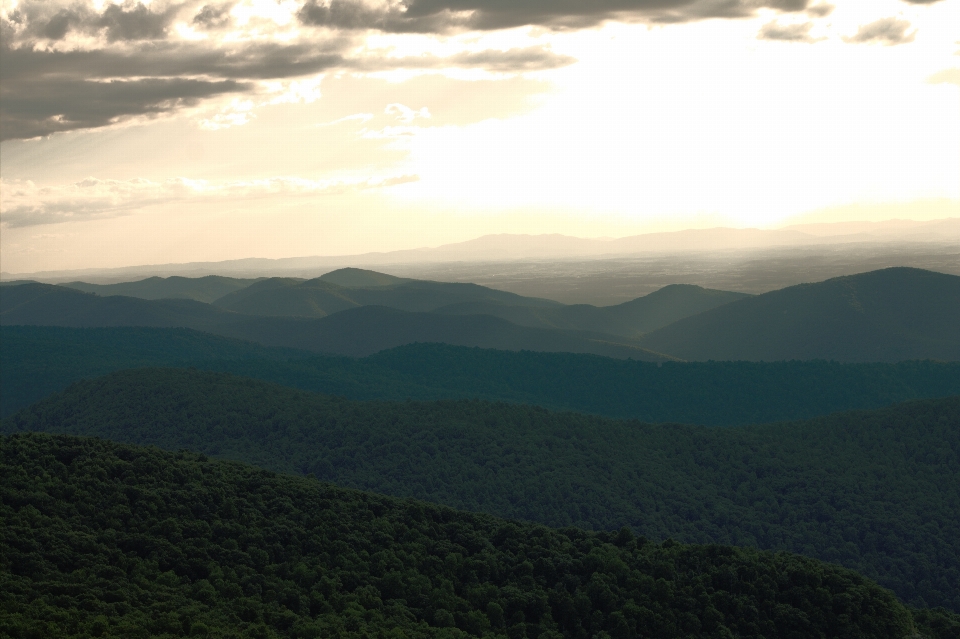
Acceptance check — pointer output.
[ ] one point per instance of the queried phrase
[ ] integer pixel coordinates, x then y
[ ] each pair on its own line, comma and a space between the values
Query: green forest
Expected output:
36, 361
102, 539
875, 491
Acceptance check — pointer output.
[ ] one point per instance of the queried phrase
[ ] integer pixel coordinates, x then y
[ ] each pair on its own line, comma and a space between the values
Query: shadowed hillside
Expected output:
362, 278
48, 305
876, 491
121, 541
36, 361
357, 331
350, 288
630, 319
890, 315
887, 315
368, 329
286, 296
201, 289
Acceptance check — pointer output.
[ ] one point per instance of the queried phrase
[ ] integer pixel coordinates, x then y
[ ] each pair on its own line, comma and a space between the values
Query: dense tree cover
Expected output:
888, 315
876, 491
38, 360
109, 540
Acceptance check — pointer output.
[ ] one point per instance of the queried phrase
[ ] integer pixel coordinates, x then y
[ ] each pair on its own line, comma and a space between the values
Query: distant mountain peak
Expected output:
361, 278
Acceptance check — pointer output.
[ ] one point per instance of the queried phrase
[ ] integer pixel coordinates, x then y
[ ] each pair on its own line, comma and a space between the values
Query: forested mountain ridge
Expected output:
36, 361
200, 289
890, 315
631, 319
356, 331
49, 305
351, 287
876, 491
332, 293
109, 540
887, 315
365, 330
362, 278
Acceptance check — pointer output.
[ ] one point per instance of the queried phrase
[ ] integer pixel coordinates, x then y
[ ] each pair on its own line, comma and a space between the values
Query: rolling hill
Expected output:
357, 331
36, 361
887, 315
200, 289
49, 305
875, 491
351, 288
365, 330
631, 319
123, 541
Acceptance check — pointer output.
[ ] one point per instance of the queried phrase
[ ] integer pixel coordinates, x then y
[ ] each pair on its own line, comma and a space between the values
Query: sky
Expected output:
177, 131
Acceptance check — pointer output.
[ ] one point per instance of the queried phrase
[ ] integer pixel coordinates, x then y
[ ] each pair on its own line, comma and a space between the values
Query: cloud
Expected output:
38, 108
45, 92
536, 58
444, 16
787, 32
887, 31
80, 64
212, 16
362, 118
26, 204
820, 10
947, 76
404, 113
126, 22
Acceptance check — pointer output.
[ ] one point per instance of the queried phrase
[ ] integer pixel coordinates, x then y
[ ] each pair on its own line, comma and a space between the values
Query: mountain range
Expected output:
888, 315
201, 289
684, 463
512, 247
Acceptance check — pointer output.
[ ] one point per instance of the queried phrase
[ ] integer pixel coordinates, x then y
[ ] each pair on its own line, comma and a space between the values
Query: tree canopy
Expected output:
876, 491
109, 540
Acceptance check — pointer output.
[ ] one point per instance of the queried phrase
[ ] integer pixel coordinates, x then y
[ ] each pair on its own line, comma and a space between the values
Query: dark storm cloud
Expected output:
888, 31
138, 68
252, 61
439, 16
45, 92
212, 16
136, 23
132, 21
787, 32
41, 108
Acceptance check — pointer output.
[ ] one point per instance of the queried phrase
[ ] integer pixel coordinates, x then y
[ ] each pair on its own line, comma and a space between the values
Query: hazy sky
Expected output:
174, 131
